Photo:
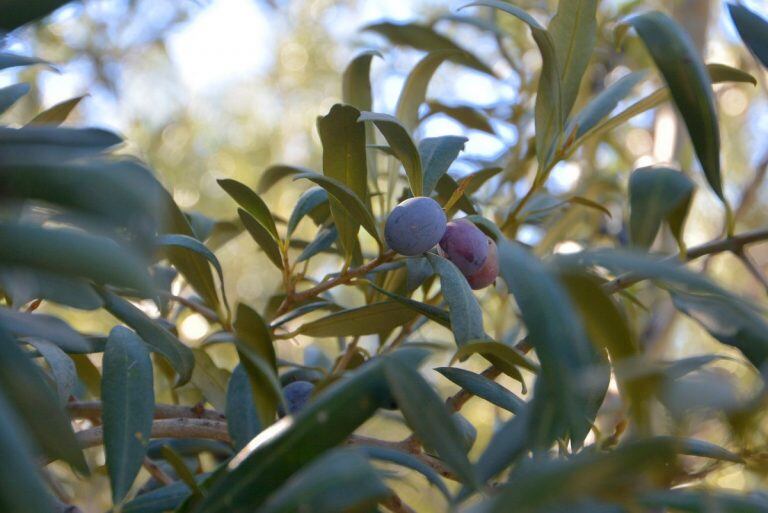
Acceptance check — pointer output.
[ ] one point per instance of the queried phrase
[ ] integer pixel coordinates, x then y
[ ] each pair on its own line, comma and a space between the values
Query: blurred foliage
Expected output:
228, 245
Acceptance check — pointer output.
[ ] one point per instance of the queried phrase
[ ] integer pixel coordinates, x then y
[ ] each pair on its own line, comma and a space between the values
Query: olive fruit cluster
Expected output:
418, 224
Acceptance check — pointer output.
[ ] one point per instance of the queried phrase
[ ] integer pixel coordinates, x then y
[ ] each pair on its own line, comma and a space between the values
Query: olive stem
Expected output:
345, 277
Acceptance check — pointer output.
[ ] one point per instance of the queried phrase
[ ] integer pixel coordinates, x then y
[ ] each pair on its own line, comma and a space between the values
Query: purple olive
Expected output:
488, 273
465, 245
415, 226
297, 394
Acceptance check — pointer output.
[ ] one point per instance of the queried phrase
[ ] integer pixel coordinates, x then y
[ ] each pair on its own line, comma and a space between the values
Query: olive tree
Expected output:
589, 418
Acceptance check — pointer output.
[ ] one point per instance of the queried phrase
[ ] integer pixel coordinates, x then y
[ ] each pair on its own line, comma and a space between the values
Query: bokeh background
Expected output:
209, 89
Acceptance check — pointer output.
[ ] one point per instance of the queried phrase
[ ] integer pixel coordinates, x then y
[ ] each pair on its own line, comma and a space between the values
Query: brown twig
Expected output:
165, 428
733, 244
396, 505
346, 357
753, 269
217, 430
92, 410
34, 305
203, 310
749, 195
345, 277
406, 446
405, 332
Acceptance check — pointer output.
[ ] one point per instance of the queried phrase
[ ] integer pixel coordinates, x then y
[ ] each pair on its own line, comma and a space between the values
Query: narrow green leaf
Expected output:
9, 95
437, 155
478, 22
446, 187
344, 160
549, 111
273, 174
701, 448
507, 444
223, 232
160, 500
586, 202
414, 91
684, 366
36, 144
676, 57
356, 91
483, 387
718, 73
752, 29
57, 114
486, 226
302, 310
265, 387
402, 146
365, 320
556, 332
425, 38
209, 379
257, 355
88, 373
656, 195
341, 480
43, 326
21, 486
251, 203
418, 271
466, 315
608, 329
128, 408
705, 500
96, 258
356, 81
426, 414
254, 332
322, 242
23, 385
23, 285
723, 73
308, 201
61, 366
574, 31
406, 460
177, 463
643, 266
262, 237
505, 358
9, 60
501, 351
242, 418
120, 191
544, 483
199, 250
432, 312
603, 104
467, 115
729, 321
347, 199
153, 334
